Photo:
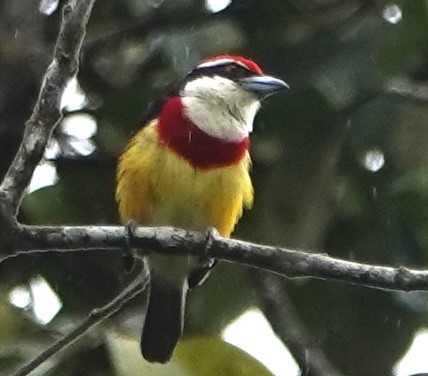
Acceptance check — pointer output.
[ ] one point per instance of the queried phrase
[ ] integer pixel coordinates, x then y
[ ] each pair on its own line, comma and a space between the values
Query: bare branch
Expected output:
279, 311
404, 88
47, 111
286, 262
97, 315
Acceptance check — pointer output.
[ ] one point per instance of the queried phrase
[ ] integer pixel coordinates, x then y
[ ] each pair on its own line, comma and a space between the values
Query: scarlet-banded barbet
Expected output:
188, 167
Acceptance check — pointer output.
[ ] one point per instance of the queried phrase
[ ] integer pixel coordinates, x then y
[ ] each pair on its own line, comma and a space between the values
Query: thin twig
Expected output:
47, 110
166, 240
279, 311
97, 315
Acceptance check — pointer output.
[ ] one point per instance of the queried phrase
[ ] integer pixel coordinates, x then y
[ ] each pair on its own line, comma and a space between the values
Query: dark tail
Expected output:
163, 325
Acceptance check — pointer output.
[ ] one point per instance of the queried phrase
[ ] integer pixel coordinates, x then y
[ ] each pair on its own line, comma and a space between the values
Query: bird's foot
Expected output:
206, 263
210, 234
129, 256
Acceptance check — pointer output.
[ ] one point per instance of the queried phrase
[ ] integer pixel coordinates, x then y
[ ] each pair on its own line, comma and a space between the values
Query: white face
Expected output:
220, 107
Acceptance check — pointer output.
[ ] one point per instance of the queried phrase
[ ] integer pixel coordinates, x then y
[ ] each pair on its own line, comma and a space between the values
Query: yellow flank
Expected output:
158, 188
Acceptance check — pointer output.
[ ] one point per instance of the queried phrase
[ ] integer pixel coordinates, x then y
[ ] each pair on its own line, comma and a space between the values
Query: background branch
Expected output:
278, 309
97, 315
407, 89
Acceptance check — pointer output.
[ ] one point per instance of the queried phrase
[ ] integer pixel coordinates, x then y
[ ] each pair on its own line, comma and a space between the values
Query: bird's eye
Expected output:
232, 68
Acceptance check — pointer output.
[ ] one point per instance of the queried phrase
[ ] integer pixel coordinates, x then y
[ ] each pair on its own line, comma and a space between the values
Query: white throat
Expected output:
220, 107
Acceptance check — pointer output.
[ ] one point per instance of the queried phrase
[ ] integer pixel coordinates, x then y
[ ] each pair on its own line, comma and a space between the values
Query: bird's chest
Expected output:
158, 187
197, 199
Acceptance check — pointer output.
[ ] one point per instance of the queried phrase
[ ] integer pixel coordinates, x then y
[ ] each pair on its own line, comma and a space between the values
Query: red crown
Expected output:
249, 64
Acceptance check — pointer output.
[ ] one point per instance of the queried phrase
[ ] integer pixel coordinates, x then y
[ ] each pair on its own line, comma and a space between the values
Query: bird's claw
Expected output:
129, 256
210, 234
199, 275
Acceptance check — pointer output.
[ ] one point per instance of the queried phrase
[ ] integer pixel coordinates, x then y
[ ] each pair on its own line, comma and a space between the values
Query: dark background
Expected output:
358, 91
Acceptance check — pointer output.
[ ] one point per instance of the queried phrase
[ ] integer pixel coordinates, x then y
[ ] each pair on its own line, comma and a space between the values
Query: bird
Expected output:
188, 166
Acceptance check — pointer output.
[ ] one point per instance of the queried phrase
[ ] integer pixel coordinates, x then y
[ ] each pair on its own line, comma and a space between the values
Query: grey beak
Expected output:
263, 85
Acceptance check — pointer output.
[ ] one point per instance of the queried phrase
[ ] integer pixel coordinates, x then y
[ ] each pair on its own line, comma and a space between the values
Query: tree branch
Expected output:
97, 315
47, 110
406, 89
166, 240
279, 311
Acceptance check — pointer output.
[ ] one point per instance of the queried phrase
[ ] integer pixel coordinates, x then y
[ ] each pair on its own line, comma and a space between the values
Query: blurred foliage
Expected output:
317, 185
198, 355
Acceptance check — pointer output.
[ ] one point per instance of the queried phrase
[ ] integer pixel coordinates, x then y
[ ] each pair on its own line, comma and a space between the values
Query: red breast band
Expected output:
191, 143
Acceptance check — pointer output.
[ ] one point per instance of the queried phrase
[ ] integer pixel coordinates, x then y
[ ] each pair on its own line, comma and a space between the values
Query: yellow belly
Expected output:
158, 188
